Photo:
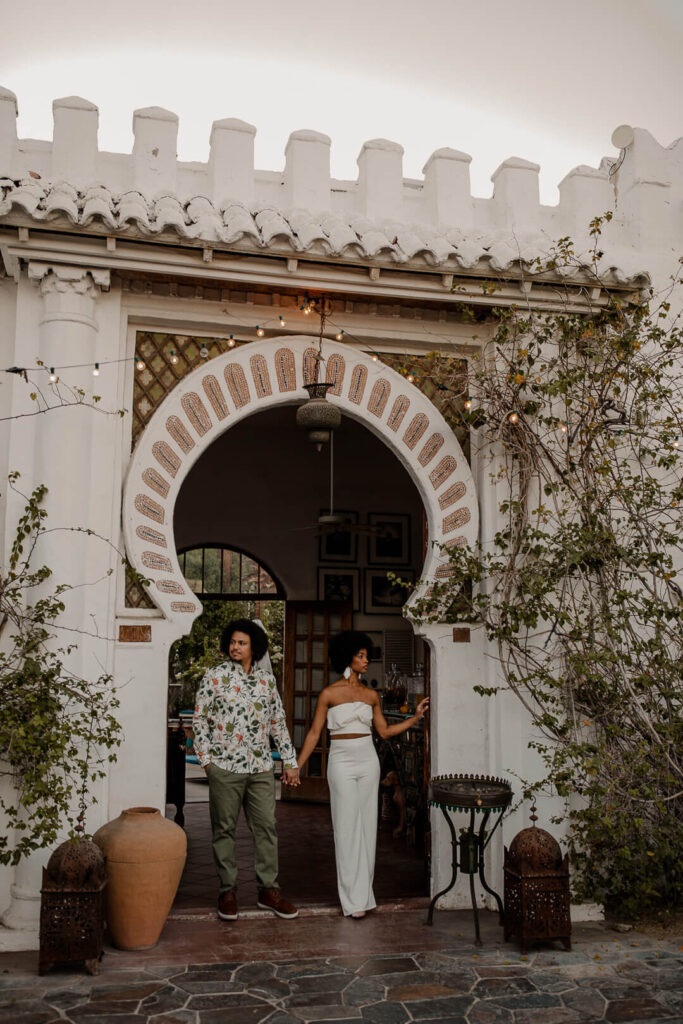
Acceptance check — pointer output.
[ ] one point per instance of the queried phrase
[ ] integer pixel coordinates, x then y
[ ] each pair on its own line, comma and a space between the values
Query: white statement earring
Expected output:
347, 672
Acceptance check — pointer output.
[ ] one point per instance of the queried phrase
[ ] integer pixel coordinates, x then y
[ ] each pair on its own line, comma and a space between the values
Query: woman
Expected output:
351, 709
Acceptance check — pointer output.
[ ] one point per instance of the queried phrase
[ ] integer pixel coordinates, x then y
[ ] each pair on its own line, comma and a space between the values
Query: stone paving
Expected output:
620, 978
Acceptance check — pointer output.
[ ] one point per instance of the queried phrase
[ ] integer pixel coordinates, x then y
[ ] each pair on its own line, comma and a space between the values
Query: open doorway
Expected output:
261, 488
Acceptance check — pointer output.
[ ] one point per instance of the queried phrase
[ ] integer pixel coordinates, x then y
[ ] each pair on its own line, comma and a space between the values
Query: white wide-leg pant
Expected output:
353, 778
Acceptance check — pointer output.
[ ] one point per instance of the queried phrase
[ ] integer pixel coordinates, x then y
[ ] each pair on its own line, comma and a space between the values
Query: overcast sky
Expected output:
547, 80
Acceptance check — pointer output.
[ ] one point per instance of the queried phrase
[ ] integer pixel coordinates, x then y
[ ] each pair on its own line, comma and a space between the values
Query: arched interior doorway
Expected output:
261, 488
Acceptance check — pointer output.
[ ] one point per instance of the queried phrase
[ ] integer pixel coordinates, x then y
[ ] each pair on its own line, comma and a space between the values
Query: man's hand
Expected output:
290, 777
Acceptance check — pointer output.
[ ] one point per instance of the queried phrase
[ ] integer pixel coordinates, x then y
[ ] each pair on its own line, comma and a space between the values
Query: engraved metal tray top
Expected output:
467, 792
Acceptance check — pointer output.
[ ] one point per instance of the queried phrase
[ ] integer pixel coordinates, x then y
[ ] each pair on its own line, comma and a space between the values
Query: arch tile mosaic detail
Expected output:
398, 411
151, 536
150, 508
445, 571
454, 493
166, 457
236, 380
179, 434
261, 377
430, 449
195, 410
212, 390
310, 362
155, 481
285, 369
359, 379
379, 396
456, 519
152, 560
336, 368
170, 587
183, 606
442, 471
415, 430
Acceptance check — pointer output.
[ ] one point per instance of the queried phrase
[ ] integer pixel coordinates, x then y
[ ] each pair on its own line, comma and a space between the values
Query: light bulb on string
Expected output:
53, 375
677, 442
375, 357
564, 427
259, 331
307, 310
96, 370
468, 404
410, 378
139, 363
283, 322
513, 417
340, 335
203, 352
231, 342
174, 357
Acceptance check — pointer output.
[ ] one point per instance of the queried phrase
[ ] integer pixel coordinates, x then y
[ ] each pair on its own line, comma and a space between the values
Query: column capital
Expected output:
56, 277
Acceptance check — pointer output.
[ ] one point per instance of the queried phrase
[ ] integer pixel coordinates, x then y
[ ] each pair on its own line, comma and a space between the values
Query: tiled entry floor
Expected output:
307, 869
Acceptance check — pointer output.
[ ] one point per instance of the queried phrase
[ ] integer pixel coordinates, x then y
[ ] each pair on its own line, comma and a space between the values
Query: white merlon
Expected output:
380, 179
231, 161
9, 164
515, 194
307, 171
447, 187
154, 151
74, 147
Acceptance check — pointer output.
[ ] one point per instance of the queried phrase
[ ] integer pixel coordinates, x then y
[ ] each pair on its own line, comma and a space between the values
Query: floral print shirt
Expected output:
235, 715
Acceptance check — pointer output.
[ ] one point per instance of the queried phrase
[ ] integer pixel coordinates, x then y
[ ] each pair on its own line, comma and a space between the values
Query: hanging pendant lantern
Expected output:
316, 415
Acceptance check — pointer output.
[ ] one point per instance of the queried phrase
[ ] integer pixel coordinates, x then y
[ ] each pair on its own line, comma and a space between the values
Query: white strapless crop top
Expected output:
351, 716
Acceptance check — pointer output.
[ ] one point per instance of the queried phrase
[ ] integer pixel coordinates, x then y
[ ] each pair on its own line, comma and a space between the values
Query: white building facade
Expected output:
100, 249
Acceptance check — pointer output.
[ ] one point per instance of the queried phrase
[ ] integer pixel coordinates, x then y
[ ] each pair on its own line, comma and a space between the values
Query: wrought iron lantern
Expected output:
72, 906
316, 415
536, 889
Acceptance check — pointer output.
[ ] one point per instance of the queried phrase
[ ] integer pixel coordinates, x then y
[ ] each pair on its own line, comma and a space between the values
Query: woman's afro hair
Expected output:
345, 645
258, 637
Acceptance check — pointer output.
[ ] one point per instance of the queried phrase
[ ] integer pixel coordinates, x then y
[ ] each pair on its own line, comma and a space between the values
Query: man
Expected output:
238, 709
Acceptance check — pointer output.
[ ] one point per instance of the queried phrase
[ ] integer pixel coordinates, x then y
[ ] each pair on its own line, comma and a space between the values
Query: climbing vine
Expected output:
58, 731
578, 416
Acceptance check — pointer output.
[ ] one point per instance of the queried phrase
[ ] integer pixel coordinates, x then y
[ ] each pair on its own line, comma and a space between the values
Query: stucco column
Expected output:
63, 462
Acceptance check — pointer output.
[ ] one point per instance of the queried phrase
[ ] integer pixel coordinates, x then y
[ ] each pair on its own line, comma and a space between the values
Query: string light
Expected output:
513, 417
53, 375
410, 378
468, 403
203, 352
231, 342
96, 370
375, 357
677, 443
259, 331
140, 363
307, 310
174, 357
564, 427
283, 322
340, 335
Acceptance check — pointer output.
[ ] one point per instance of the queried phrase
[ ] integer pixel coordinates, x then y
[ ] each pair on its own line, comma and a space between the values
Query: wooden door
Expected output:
308, 628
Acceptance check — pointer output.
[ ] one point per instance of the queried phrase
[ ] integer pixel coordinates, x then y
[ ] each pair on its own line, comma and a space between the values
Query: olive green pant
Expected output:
228, 793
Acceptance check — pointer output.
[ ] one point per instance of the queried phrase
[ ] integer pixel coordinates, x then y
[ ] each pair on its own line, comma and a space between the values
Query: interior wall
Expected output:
261, 486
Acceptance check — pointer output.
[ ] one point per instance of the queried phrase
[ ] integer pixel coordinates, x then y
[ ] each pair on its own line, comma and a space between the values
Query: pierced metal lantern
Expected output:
316, 415
72, 906
536, 889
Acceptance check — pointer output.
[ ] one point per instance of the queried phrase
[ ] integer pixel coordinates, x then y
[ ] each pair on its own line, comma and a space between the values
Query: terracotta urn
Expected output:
145, 858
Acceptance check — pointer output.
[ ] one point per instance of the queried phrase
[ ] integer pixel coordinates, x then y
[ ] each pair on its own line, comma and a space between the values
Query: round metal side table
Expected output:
472, 794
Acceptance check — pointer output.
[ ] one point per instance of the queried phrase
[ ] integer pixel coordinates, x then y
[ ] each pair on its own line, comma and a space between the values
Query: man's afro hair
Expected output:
258, 637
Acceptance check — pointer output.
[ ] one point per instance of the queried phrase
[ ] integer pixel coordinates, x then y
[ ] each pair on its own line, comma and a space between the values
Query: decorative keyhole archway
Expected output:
255, 377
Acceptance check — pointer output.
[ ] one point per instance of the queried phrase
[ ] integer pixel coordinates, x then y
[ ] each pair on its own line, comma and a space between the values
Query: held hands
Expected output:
421, 708
290, 777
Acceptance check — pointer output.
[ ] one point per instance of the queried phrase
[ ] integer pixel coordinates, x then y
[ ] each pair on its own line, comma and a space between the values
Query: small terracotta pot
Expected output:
145, 859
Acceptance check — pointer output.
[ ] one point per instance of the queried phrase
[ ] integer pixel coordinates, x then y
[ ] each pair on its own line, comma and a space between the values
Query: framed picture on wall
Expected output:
383, 596
388, 538
339, 584
337, 543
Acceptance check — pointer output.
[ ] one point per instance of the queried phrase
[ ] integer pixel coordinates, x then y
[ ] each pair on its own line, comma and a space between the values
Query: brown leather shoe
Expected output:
227, 905
271, 899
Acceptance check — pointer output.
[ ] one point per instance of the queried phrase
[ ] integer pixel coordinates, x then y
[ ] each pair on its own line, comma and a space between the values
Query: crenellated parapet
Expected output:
381, 216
